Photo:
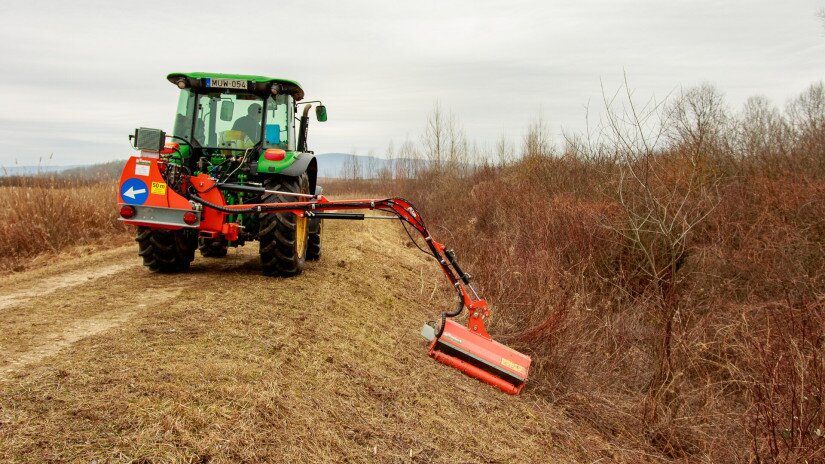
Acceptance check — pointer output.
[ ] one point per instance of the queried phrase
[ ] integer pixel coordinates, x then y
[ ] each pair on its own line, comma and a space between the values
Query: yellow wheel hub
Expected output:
301, 233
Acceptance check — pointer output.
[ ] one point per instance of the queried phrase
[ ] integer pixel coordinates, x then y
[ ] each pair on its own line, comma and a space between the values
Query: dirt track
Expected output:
102, 360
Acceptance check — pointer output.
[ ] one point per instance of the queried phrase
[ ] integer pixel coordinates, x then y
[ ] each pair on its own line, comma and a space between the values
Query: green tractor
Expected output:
246, 132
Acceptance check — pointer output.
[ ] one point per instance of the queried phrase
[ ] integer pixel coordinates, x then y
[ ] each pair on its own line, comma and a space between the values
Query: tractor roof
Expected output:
290, 86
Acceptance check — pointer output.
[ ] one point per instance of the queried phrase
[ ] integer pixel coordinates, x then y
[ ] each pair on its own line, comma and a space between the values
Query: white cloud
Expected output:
78, 77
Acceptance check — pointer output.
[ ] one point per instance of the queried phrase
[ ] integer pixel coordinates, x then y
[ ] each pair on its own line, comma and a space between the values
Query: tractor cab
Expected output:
232, 121
251, 117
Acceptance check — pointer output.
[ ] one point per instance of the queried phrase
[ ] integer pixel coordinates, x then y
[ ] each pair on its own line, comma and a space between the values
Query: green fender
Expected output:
294, 164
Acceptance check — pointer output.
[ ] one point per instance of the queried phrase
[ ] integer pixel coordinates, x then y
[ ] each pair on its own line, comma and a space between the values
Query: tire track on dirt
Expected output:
50, 285
80, 329
66, 324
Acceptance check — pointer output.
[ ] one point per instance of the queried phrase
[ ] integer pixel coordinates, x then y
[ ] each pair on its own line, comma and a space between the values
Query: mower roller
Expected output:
228, 175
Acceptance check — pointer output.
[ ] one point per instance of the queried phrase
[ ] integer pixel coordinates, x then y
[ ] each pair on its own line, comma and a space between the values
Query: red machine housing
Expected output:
163, 208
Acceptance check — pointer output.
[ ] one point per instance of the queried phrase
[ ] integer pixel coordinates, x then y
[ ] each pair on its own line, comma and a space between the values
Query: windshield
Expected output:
233, 121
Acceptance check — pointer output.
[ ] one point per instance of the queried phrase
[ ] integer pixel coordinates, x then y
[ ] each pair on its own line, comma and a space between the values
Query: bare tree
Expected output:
806, 117
760, 131
504, 150
536, 142
664, 195
371, 165
435, 136
352, 167
699, 117
408, 163
445, 140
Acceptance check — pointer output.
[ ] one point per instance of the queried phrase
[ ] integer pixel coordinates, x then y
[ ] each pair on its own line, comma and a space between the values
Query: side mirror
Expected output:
321, 113
227, 110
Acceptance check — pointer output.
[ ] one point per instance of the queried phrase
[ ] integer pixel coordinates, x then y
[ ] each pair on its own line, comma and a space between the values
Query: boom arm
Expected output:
404, 210
469, 349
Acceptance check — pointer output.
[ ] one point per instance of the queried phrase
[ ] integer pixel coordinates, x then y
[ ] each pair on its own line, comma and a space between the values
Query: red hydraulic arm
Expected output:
404, 210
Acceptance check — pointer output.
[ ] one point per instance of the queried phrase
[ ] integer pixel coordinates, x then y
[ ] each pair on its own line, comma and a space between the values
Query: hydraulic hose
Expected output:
453, 313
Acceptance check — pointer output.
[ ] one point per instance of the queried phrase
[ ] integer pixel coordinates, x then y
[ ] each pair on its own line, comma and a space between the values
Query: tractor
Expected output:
236, 168
243, 131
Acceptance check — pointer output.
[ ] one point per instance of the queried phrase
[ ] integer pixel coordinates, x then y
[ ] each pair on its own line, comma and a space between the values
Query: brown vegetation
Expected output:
665, 270
44, 215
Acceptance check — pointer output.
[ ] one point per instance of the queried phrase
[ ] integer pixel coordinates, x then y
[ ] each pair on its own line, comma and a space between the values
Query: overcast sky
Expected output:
77, 77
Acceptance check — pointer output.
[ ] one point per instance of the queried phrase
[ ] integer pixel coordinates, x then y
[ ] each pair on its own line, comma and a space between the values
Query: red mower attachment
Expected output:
480, 357
469, 348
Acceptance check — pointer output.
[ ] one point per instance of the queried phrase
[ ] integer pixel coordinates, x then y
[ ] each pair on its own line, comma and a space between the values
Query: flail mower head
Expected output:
470, 348
478, 356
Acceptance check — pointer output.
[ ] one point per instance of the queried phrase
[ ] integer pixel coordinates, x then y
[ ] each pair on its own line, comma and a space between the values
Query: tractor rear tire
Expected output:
283, 236
166, 250
212, 248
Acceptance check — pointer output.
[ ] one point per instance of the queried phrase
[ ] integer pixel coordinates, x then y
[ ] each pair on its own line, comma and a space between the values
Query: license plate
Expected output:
238, 84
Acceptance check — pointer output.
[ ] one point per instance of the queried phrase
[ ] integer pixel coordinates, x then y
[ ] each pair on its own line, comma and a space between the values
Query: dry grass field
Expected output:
44, 217
106, 362
666, 273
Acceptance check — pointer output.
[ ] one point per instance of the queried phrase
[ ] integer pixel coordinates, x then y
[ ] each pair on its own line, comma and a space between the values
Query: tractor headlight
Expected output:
182, 84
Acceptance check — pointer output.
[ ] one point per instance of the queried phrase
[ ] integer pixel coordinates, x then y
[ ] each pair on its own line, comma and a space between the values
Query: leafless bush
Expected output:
665, 269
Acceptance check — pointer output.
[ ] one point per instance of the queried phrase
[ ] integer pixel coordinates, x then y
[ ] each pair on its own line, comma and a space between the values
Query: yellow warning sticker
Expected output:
511, 365
158, 188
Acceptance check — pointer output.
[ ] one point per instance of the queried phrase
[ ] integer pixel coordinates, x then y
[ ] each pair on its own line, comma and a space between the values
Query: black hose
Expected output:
256, 209
453, 313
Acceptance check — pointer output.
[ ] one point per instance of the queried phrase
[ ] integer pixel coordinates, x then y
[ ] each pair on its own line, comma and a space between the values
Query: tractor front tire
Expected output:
212, 248
316, 226
314, 241
166, 250
283, 236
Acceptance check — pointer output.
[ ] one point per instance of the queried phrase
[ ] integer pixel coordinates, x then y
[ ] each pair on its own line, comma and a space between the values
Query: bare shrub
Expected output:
665, 269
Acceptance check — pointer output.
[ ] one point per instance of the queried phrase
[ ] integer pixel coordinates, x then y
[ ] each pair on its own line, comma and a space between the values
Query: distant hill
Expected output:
329, 165
109, 170
33, 170
335, 164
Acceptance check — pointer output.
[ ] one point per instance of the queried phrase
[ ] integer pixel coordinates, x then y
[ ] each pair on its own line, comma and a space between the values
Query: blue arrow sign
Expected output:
134, 192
